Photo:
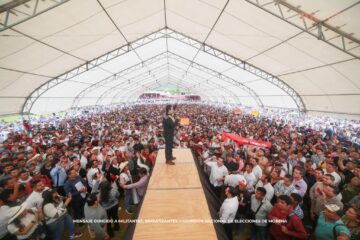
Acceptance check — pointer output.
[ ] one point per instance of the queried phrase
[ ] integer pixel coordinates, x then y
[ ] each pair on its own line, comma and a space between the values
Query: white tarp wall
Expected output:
50, 44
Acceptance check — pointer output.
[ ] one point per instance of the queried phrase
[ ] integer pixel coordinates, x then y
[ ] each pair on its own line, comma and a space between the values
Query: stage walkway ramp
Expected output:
175, 202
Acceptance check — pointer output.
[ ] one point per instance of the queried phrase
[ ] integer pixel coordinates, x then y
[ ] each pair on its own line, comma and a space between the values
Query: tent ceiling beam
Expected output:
122, 34
311, 25
243, 65
164, 33
87, 66
168, 67
195, 91
13, 16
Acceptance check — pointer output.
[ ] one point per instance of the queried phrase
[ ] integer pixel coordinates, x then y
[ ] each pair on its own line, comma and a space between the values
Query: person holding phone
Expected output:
56, 216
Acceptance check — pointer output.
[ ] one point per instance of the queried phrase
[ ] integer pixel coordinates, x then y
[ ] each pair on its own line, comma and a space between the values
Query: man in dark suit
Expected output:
169, 124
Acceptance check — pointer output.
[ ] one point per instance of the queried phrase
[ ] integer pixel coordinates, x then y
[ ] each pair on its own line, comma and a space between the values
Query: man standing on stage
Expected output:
169, 124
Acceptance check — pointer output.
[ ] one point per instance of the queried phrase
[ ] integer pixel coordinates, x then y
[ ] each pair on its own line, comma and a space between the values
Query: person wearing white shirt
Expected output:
256, 168
35, 199
56, 216
330, 169
141, 161
91, 173
265, 183
83, 159
4, 219
260, 207
228, 210
234, 178
218, 173
249, 177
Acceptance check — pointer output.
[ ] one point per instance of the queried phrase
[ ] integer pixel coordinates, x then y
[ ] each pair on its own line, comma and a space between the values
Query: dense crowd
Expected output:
66, 169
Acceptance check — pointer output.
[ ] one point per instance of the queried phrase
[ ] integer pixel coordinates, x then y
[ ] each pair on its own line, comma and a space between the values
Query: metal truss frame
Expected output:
193, 77
134, 81
123, 73
310, 24
243, 65
14, 16
32, 98
163, 33
140, 78
116, 76
136, 90
182, 71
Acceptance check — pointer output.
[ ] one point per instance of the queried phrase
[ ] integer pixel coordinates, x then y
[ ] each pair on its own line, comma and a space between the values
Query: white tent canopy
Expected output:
57, 54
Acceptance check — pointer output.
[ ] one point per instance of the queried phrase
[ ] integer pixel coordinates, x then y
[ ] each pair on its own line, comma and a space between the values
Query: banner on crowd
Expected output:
237, 111
245, 141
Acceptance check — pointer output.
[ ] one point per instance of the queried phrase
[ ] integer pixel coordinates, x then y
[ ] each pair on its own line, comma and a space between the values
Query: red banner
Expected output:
245, 141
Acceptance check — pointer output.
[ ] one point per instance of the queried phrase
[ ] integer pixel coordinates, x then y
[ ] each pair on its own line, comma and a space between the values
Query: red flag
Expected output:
245, 141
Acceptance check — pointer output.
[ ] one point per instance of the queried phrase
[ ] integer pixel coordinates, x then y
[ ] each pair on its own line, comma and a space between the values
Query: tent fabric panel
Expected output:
85, 33
17, 89
31, 57
121, 62
322, 81
278, 101
58, 19
214, 63
11, 105
348, 104
256, 18
57, 66
12, 42
137, 18
50, 105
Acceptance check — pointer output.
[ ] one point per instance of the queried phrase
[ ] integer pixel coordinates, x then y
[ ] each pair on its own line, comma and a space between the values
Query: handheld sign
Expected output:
184, 121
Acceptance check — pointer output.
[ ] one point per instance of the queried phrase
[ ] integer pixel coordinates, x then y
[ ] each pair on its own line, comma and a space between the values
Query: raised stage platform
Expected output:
175, 193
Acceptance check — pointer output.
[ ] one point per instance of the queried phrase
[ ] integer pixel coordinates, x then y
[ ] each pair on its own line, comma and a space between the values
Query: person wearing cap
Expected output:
228, 210
25, 223
327, 196
329, 224
292, 228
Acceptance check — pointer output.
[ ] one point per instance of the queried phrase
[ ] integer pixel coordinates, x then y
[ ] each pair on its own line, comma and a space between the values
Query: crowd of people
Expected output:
78, 168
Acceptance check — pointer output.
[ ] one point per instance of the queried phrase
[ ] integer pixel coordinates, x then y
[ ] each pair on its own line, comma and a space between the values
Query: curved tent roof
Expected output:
57, 54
